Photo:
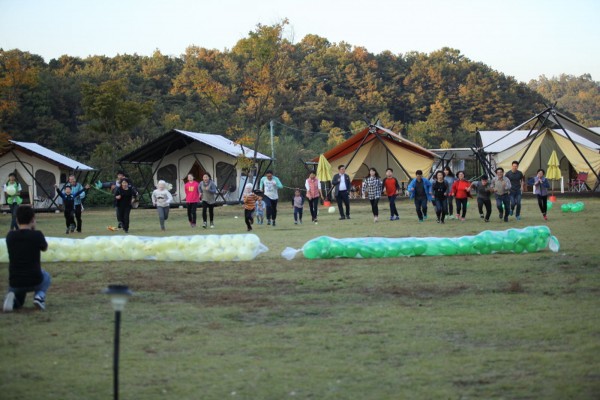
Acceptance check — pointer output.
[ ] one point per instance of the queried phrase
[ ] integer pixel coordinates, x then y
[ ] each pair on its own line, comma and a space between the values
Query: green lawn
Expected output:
508, 326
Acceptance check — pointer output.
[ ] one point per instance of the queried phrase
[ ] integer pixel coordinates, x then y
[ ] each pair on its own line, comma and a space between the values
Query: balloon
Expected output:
331, 210
10, 190
549, 205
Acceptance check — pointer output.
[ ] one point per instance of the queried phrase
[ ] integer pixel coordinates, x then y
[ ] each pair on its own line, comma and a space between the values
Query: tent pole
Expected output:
31, 199
520, 126
393, 156
369, 132
147, 183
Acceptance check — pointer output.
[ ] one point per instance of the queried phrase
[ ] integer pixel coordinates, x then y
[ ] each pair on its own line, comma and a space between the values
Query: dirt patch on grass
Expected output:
419, 292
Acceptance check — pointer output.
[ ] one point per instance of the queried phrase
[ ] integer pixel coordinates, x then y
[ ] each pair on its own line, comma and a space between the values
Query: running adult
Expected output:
501, 187
313, 194
76, 187
449, 178
374, 190
517, 180
208, 188
461, 192
269, 184
419, 190
342, 185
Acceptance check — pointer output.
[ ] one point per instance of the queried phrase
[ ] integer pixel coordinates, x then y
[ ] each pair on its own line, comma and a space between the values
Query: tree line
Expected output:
98, 108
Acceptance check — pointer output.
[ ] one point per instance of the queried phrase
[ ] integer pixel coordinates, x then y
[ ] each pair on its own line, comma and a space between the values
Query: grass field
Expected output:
499, 326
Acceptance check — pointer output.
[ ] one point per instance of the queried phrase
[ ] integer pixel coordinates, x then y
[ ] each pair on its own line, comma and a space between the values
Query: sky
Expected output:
521, 38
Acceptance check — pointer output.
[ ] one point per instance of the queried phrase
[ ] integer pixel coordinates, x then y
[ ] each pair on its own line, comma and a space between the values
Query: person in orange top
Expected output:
249, 199
391, 187
461, 192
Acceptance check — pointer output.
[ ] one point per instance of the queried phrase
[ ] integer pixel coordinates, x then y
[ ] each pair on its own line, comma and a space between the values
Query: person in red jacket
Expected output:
460, 191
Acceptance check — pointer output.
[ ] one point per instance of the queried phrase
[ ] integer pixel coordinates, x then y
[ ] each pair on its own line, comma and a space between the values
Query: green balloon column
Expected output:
526, 240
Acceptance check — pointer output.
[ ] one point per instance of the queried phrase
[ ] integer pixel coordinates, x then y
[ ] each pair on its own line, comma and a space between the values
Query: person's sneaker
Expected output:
249, 229
212, 226
268, 222
67, 231
120, 225
510, 213
519, 218
300, 222
347, 217
341, 218
316, 221
442, 222
481, 216
462, 219
420, 220
273, 222
397, 218
457, 216
486, 220
500, 215
39, 303
545, 218
9, 302
72, 228
295, 222
392, 218
438, 221
505, 219
204, 224
424, 216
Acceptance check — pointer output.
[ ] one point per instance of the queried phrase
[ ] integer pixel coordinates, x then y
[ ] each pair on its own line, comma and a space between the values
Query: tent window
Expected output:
168, 173
44, 184
226, 176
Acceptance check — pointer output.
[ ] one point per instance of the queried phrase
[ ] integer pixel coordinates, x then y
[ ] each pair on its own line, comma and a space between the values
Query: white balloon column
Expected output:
133, 248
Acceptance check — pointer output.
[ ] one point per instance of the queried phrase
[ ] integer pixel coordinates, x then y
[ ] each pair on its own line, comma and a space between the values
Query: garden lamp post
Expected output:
119, 294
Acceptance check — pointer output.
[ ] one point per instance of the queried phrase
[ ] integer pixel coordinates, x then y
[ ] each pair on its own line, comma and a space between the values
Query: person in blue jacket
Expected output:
419, 190
76, 187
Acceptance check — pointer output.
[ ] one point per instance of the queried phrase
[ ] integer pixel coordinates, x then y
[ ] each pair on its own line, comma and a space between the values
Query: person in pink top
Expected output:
313, 194
192, 197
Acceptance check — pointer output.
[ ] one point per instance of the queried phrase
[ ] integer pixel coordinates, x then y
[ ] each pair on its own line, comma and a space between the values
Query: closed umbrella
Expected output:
553, 173
324, 170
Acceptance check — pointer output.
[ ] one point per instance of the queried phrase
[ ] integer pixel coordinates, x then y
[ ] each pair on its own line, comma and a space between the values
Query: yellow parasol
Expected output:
323, 169
553, 173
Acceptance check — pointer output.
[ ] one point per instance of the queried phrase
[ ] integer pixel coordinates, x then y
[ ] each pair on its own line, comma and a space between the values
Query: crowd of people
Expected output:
443, 190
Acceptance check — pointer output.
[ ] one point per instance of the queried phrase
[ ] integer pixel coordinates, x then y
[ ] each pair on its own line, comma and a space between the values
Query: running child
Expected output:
249, 199
298, 204
484, 192
68, 198
161, 199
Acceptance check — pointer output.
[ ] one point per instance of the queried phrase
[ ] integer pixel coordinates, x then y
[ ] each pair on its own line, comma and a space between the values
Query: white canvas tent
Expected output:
38, 169
577, 147
177, 153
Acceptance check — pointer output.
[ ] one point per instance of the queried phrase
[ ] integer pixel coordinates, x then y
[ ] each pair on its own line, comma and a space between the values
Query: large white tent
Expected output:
38, 169
177, 153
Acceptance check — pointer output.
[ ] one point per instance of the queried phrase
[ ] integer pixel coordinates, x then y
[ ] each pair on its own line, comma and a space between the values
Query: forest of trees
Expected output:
99, 108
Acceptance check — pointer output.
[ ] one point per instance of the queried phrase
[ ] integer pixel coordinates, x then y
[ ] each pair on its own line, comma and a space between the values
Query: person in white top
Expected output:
269, 185
161, 199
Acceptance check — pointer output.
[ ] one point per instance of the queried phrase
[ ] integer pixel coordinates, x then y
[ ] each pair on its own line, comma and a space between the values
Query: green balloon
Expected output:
350, 250
464, 245
566, 207
419, 247
336, 249
549, 205
311, 250
447, 247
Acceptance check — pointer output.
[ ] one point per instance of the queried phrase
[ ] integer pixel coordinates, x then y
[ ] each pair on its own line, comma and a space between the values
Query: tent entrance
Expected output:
197, 171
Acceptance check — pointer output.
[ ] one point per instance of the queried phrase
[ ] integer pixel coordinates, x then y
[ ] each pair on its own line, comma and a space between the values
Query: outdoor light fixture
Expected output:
119, 294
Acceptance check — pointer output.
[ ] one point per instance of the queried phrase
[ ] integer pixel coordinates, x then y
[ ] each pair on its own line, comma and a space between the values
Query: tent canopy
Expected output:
50, 156
178, 139
379, 148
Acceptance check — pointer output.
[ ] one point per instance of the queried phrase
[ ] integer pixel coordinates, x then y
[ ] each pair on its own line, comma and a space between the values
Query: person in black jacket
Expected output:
124, 196
25, 273
68, 199
341, 183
